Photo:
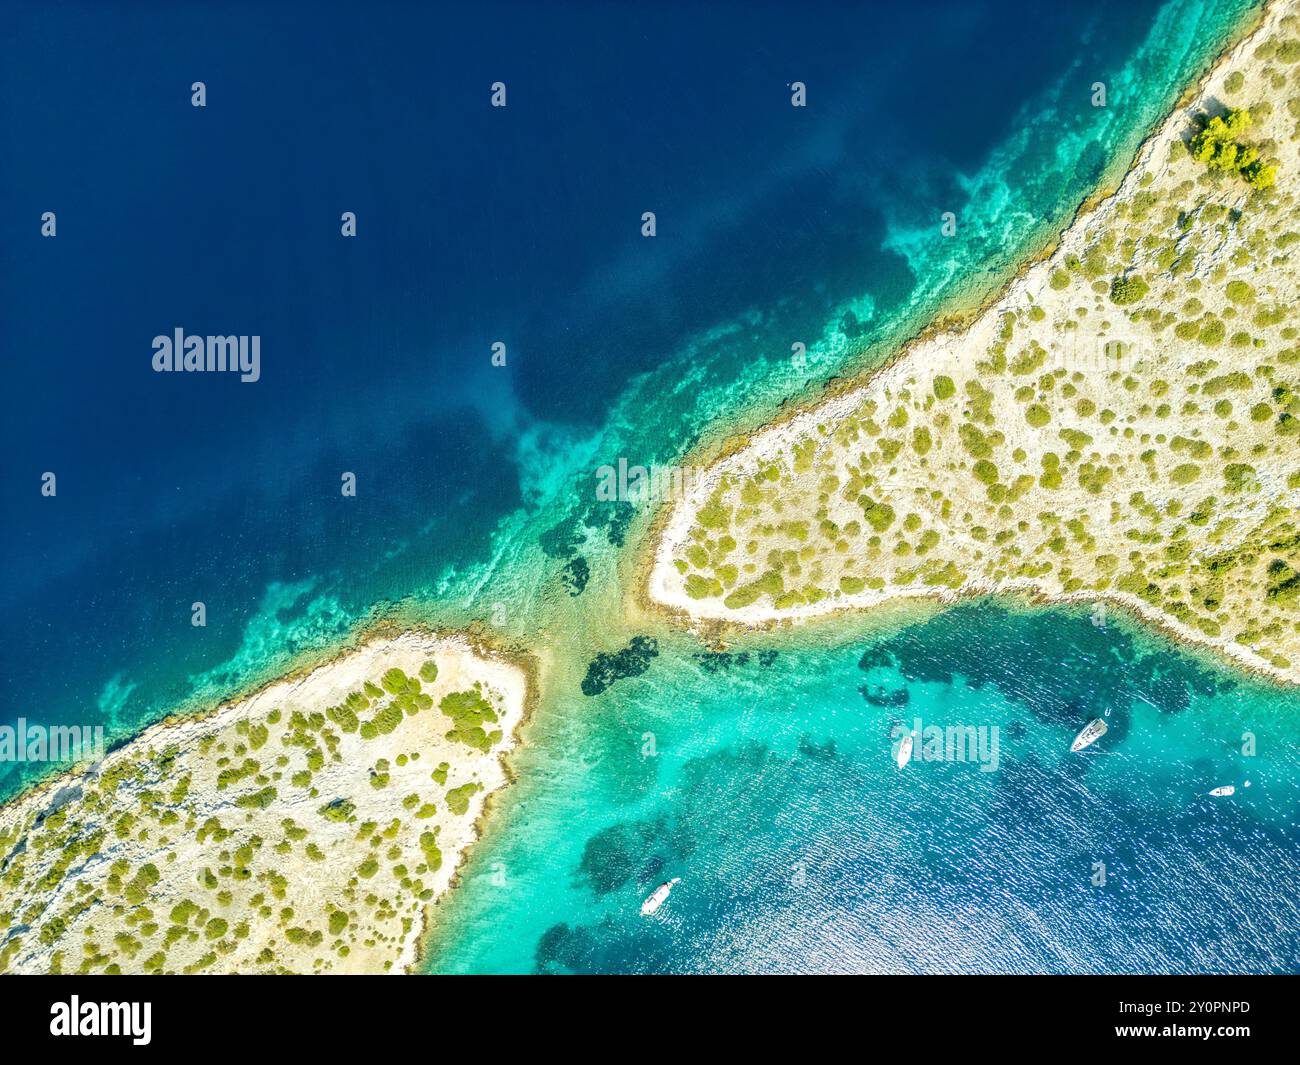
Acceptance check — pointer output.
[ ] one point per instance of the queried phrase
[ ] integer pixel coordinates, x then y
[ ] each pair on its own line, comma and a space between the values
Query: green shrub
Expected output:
700, 587
1037, 415
1236, 475
458, 798
1126, 290
1240, 292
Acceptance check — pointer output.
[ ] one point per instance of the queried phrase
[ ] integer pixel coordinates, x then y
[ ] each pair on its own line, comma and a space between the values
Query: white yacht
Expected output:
1094, 731
658, 897
904, 751
1227, 789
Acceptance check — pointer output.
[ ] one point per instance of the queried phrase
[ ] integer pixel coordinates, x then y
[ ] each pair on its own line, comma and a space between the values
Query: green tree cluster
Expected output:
1218, 146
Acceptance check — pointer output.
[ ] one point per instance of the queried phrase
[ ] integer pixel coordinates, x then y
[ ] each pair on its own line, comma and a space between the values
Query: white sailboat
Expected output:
658, 897
1091, 733
904, 751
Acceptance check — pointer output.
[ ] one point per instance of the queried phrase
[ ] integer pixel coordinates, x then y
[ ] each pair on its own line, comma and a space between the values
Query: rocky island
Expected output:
1122, 423
306, 828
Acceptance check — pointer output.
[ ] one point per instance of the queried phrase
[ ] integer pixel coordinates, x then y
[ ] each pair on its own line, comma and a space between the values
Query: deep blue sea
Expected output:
521, 225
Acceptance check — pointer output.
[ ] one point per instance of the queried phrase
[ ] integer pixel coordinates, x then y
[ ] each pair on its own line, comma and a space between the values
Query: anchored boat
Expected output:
658, 897
1092, 732
904, 751
1227, 789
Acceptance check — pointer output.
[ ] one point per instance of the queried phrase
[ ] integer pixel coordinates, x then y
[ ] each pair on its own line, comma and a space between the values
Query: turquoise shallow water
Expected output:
765, 780
771, 792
